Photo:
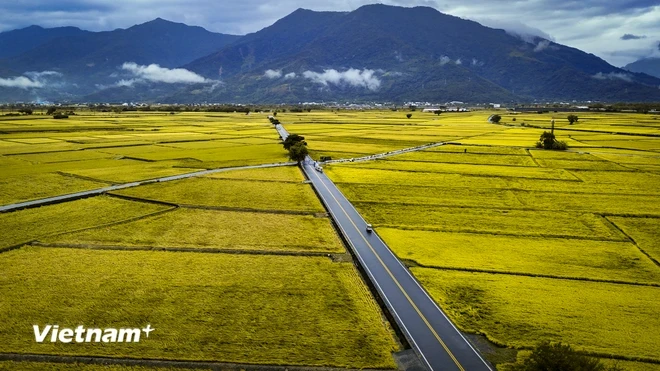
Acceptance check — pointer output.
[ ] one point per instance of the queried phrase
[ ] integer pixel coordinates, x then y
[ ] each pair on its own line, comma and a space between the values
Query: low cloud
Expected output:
290, 75
542, 45
459, 61
273, 74
516, 29
39, 75
444, 60
31, 79
613, 76
127, 83
20, 82
351, 77
156, 73
477, 63
630, 36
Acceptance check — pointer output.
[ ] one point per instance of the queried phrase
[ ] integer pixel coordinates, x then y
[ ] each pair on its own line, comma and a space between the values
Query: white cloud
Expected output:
352, 77
542, 45
127, 83
31, 79
273, 74
156, 73
290, 75
516, 29
38, 75
613, 76
20, 82
444, 60
458, 61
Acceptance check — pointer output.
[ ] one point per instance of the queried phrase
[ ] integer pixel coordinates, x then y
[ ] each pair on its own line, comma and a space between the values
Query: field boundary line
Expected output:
70, 175
533, 275
533, 158
521, 190
632, 240
15, 247
498, 208
207, 250
151, 362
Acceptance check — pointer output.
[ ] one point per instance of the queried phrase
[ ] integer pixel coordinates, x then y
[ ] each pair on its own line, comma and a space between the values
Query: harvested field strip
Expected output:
247, 300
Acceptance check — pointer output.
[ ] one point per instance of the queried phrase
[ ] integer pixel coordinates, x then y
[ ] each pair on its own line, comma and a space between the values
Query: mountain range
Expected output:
374, 53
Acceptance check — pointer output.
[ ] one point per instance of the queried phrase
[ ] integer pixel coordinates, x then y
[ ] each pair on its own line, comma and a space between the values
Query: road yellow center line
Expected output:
393, 278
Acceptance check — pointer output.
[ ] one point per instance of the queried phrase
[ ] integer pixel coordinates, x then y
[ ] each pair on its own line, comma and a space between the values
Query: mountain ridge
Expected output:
374, 53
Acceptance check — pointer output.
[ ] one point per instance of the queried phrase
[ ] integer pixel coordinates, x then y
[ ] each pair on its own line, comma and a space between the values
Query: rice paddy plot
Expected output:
290, 174
52, 157
627, 159
233, 193
605, 318
621, 204
557, 257
126, 171
214, 229
21, 188
277, 310
500, 150
468, 169
644, 231
321, 146
351, 174
492, 221
454, 197
467, 158
580, 165
26, 225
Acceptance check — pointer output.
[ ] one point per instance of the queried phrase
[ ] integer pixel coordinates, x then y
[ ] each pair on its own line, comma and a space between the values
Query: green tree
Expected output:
572, 119
51, 110
298, 152
549, 141
438, 112
560, 357
495, 118
409, 115
293, 139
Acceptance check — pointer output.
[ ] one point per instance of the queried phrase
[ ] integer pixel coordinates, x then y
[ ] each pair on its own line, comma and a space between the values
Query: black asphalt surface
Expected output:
435, 339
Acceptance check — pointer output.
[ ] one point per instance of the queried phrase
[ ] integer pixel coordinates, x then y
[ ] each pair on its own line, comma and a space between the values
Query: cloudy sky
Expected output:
619, 31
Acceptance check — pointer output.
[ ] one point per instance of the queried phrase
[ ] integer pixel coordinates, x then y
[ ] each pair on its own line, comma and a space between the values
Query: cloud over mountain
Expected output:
156, 73
352, 77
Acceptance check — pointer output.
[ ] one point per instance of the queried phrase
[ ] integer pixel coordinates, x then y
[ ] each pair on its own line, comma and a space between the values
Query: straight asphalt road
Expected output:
435, 339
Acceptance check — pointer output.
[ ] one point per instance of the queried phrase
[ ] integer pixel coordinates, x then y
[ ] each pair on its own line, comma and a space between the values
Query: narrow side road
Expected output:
116, 187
